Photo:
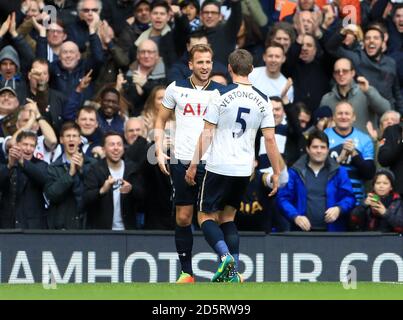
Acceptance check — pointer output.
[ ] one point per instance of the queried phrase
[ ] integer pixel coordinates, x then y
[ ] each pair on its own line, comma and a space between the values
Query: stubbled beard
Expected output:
376, 55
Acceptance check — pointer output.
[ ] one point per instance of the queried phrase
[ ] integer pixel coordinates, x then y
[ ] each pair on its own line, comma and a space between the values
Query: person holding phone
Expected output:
382, 210
113, 188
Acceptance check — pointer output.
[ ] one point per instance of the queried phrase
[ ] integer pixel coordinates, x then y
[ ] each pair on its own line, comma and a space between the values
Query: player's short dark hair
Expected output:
109, 90
69, 125
200, 48
109, 134
317, 134
160, 3
26, 134
241, 62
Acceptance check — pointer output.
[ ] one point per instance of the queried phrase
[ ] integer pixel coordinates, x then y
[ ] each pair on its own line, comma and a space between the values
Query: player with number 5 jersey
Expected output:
189, 99
230, 127
238, 114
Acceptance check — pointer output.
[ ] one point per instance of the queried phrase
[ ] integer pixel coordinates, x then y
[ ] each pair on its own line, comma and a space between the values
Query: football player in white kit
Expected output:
231, 124
189, 99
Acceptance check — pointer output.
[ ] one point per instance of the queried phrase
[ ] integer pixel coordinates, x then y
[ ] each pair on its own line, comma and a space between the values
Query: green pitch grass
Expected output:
205, 291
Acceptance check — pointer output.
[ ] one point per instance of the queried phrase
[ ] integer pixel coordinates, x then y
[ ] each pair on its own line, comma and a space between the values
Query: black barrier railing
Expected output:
199, 233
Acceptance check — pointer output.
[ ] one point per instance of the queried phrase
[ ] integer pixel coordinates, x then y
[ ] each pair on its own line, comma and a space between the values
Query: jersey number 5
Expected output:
241, 121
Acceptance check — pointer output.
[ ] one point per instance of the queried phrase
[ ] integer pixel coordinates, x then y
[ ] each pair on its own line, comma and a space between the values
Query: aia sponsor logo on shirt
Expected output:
196, 110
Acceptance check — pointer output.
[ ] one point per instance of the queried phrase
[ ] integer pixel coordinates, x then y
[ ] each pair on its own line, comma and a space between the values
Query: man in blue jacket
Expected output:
319, 195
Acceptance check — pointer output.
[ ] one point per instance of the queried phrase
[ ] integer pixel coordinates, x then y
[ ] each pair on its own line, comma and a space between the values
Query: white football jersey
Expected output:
268, 86
42, 153
238, 113
190, 104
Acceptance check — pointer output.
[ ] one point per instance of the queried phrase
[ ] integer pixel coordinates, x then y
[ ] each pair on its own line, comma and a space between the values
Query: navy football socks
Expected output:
214, 237
231, 238
184, 245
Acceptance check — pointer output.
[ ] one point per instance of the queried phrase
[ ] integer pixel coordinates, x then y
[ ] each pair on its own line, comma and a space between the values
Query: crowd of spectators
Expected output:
81, 83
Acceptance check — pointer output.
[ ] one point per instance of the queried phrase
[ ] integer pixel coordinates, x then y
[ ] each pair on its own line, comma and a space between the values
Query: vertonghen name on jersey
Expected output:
242, 94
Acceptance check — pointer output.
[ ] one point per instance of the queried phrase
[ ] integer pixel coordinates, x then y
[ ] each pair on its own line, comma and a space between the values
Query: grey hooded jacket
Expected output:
21, 54
368, 106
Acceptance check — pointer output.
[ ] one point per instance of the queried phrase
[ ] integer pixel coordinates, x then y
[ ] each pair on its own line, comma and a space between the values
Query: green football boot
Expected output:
223, 270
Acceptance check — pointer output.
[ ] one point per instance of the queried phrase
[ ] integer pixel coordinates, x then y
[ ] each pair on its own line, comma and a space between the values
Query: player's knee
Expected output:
183, 221
184, 216
222, 220
202, 217
201, 220
227, 215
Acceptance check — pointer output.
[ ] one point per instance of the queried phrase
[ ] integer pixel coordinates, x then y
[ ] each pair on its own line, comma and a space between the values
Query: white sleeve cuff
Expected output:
283, 178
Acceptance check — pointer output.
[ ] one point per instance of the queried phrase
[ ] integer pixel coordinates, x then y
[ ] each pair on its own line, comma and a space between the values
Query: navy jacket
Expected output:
78, 32
100, 207
65, 195
67, 81
117, 123
23, 204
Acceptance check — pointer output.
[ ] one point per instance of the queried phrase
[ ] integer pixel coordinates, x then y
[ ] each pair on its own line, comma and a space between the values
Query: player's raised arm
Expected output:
274, 156
162, 117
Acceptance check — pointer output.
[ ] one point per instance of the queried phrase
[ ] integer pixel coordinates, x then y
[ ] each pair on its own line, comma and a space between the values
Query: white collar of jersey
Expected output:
194, 86
244, 84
